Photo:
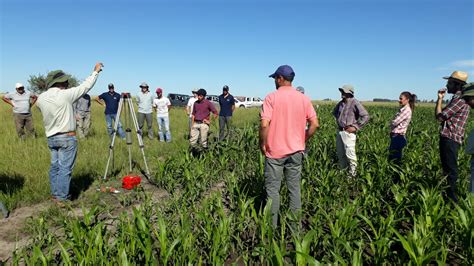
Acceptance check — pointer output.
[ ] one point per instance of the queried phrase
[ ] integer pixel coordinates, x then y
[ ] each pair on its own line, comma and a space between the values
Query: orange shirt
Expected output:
288, 110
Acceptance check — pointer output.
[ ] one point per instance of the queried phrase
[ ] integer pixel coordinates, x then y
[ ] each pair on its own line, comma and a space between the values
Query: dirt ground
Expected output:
13, 235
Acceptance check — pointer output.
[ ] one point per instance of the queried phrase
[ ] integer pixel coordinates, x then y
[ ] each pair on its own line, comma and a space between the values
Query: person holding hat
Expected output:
22, 101
145, 109
453, 122
189, 109
162, 106
283, 134
468, 96
227, 107
201, 119
82, 109
111, 101
56, 105
350, 116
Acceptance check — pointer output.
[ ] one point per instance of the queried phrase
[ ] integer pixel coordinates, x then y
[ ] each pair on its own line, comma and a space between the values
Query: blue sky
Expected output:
381, 47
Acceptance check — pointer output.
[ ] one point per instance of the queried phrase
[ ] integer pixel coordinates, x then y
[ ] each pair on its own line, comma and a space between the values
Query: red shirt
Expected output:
202, 110
288, 110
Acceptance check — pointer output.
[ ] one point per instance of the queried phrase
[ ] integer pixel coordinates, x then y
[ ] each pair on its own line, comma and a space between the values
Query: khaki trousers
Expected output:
346, 151
83, 125
24, 122
196, 130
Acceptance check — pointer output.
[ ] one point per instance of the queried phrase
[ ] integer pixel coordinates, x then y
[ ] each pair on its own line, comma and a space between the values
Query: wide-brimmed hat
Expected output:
19, 85
56, 76
459, 75
347, 88
144, 85
468, 89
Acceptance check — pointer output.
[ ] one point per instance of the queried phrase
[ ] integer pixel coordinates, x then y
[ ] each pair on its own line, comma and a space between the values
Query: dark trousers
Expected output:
224, 121
448, 151
397, 143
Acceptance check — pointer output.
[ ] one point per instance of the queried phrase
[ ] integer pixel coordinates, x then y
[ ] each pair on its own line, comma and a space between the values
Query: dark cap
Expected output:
225, 88
111, 85
202, 92
284, 71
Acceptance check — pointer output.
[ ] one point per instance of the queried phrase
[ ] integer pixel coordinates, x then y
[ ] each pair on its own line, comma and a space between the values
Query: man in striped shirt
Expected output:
350, 116
453, 120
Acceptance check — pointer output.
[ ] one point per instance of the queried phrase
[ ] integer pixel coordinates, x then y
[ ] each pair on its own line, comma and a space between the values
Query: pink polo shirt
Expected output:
288, 110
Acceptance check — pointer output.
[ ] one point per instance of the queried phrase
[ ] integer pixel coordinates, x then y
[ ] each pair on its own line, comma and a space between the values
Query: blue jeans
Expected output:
63, 155
110, 119
397, 143
164, 123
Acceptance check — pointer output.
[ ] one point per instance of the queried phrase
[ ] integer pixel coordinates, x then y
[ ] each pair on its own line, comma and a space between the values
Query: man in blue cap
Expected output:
283, 134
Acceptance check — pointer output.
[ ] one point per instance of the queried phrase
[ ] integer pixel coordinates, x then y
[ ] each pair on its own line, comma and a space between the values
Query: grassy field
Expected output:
24, 169
211, 208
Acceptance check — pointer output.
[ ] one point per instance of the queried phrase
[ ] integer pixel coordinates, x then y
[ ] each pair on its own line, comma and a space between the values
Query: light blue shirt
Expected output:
145, 102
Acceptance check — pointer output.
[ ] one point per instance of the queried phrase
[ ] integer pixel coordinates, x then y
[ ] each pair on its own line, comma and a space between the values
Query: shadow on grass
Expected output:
80, 183
10, 183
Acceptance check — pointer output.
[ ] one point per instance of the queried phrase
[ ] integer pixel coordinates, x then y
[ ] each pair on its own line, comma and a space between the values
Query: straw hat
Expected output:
459, 75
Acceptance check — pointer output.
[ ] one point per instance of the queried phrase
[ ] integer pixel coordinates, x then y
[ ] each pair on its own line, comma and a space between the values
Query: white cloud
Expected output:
463, 63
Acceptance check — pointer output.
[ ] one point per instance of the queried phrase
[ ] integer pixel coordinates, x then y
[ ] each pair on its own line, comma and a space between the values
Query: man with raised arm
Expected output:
56, 105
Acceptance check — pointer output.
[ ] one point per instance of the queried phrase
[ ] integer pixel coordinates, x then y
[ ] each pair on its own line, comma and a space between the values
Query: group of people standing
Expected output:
288, 121
67, 111
200, 109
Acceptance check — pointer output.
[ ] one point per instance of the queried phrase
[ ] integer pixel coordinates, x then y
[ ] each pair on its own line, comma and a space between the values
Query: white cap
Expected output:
19, 85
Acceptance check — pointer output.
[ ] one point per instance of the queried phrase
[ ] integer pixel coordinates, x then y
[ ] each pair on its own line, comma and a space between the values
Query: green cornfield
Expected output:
211, 209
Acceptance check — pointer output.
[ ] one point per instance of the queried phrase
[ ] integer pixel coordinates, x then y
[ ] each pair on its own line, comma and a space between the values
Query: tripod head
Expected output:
126, 95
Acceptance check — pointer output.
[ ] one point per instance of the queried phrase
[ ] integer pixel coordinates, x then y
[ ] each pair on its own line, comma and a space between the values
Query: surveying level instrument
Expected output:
129, 117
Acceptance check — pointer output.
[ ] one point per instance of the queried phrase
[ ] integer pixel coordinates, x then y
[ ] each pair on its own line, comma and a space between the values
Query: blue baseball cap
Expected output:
284, 71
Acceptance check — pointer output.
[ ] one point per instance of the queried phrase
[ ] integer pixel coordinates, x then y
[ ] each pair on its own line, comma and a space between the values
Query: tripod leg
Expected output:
114, 134
139, 137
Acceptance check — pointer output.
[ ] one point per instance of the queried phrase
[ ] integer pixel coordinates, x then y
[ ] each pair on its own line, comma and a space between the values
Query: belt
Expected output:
198, 121
396, 134
70, 133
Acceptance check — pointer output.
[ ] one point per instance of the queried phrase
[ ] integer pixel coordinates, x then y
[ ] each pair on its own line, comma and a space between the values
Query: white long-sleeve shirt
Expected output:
56, 106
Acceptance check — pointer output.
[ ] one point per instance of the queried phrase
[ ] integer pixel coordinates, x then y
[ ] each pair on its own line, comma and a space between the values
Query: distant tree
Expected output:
381, 100
39, 84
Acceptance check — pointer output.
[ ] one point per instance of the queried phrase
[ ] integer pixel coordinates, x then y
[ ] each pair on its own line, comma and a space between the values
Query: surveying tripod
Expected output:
130, 117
